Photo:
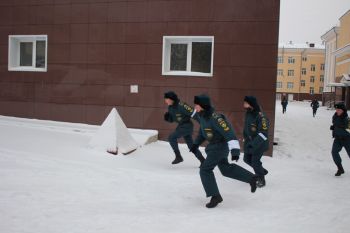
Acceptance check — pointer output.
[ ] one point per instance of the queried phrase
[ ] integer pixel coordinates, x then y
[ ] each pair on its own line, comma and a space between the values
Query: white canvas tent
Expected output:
113, 136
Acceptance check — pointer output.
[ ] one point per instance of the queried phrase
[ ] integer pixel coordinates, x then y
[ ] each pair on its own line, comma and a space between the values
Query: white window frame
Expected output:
168, 40
312, 79
291, 60
290, 73
321, 78
290, 85
280, 72
302, 83
279, 85
313, 67
280, 59
303, 71
14, 52
312, 90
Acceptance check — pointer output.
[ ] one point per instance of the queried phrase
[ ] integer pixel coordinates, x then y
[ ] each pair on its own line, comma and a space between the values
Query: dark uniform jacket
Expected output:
215, 129
255, 132
181, 113
284, 102
315, 104
341, 126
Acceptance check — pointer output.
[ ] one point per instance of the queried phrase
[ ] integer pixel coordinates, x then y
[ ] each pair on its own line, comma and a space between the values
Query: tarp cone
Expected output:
113, 136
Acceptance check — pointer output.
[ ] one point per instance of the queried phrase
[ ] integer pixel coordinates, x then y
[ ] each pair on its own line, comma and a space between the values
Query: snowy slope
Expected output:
52, 182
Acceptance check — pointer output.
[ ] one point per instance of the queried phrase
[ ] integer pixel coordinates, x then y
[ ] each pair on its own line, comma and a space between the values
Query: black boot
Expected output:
178, 157
253, 184
266, 172
261, 182
214, 201
340, 170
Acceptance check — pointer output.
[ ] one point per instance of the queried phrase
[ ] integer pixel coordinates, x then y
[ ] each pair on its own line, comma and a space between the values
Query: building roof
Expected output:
331, 33
307, 45
347, 12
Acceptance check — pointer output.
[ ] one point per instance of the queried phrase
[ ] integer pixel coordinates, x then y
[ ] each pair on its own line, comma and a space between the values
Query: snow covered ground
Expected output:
51, 182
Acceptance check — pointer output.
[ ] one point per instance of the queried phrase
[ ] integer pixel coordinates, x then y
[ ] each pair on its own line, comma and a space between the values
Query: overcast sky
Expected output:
307, 20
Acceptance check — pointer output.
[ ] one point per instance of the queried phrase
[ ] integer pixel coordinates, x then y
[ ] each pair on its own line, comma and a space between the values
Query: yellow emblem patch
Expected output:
223, 124
264, 124
209, 133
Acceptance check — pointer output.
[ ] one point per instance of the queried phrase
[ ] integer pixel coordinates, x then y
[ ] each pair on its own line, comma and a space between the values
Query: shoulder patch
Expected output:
187, 107
264, 123
224, 125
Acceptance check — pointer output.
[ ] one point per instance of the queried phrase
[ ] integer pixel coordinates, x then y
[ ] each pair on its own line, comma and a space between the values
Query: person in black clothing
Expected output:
255, 135
284, 104
222, 140
181, 113
341, 134
314, 105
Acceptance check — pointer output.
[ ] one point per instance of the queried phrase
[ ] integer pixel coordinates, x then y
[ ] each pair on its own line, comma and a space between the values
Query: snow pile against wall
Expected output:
113, 136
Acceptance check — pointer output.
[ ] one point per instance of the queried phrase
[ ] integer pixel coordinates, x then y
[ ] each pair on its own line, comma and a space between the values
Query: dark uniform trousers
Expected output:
184, 130
217, 156
338, 144
253, 159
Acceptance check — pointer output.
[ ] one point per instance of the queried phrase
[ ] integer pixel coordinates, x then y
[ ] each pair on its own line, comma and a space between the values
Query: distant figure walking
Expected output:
284, 103
341, 134
314, 105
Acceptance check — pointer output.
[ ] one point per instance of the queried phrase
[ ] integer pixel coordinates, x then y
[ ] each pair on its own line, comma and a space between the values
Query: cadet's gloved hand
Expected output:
194, 148
167, 116
235, 154
332, 127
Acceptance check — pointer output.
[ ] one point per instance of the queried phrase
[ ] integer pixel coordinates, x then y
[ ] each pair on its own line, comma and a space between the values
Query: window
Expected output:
279, 84
321, 90
291, 60
313, 67
304, 58
290, 85
322, 67
280, 59
27, 53
312, 90
280, 72
302, 83
290, 72
321, 78
303, 71
188, 55
312, 79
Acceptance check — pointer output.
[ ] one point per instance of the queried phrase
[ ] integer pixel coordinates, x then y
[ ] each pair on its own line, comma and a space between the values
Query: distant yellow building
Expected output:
338, 62
300, 71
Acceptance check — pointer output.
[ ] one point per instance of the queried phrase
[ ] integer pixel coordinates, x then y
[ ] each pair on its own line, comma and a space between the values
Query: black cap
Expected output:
203, 101
251, 100
171, 95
